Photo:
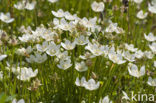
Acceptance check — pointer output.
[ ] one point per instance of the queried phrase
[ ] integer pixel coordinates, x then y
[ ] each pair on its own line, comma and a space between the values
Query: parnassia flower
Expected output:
6, 18
81, 67
2, 57
91, 85
80, 82
68, 45
141, 14
97, 7
20, 101
133, 70
105, 100
150, 37
52, 1
25, 73
64, 64
151, 82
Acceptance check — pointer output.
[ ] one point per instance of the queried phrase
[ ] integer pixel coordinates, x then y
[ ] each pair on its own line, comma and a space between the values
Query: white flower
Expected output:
130, 47
25, 73
86, 56
97, 7
53, 49
133, 70
68, 16
1, 75
141, 14
81, 40
154, 63
52, 1
30, 6
43, 47
138, 1
116, 58
128, 56
151, 82
64, 64
81, 67
152, 7
20, 5
139, 54
63, 55
113, 27
6, 18
153, 47
38, 58
64, 25
59, 13
150, 37
91, 84
105, 100
2, 57
25, 5
20, 101
68, 45
23, 51
149, 54
96, 49
125, 96
80, 83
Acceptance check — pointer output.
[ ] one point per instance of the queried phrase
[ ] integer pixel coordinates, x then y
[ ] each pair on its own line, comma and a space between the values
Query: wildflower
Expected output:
2, 57
25, 5
154, 63
43, 47
97, 7
20, 101
148, 54
80, 82
6, 18
130, 47
68, 45
38, 58
1, 75
91, 84
25, 73
116, 58
128, 56
139, 54
53, 49
30, 6
150, 37
52, 1
63, 55
151, 82
152, 7
138, 1
69, 16
133, 70
141, 14
105, 100
81, 40
81, 67
59, 13
86, 56
153, 47
96, 49
113, 27
23, 51
64, 64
